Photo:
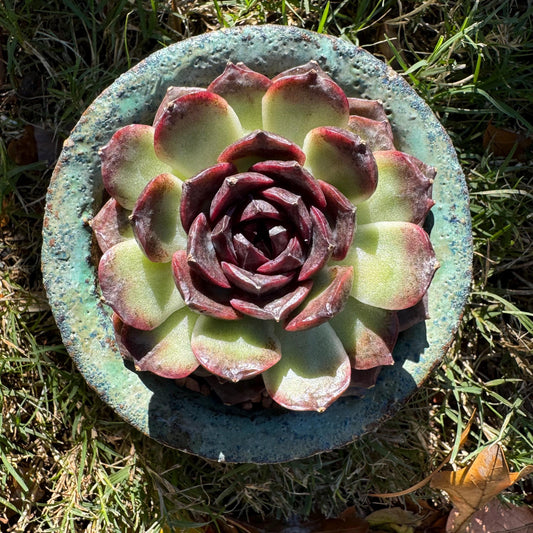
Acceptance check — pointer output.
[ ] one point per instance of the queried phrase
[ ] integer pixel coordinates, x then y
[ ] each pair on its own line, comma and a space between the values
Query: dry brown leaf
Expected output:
23, 151
472, 487
393, 516
497, 517
433, 518
4, 217
502, 142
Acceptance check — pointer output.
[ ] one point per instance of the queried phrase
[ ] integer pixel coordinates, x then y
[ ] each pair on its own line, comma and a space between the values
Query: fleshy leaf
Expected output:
411, 316
371, 109
129, 162
165, 350
289, 259
376, 134
249, 257
331, 290
294, 208
322, 245
341, 213
403, 191
173, 93
394, 264
279, 238
198, 191
156, 219
221, 237
193, 130
243, 89
342, 159
368, 334
118, 326
192, 290
235, 350
141, 292
362, 380
291, 175
297, 103
235, 392
111, 225
233, 189
257, 284
300, 69
261, 209
201, 254
261, 146
276, 309
313, 372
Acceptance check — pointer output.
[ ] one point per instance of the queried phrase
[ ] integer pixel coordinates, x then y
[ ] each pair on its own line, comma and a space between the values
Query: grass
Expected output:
67, 462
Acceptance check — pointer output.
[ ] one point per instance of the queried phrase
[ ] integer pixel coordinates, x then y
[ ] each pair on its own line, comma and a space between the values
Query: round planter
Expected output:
183, 419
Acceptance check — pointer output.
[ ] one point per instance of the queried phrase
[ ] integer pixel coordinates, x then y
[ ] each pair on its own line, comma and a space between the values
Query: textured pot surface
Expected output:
180, 418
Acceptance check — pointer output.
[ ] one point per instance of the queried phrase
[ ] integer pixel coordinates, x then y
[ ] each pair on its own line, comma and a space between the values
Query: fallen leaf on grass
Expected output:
496, 517
4, 218
502, 142
395, 519
23, 151
472, 487
35, 144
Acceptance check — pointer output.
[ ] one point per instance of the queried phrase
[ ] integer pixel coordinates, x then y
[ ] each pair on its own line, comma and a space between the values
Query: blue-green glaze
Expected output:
157, 407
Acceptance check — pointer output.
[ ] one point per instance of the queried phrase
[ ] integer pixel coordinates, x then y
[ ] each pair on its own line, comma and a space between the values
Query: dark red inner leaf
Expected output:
271, 234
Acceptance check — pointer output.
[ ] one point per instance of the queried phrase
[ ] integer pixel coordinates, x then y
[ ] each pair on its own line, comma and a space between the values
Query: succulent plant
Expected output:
230, 244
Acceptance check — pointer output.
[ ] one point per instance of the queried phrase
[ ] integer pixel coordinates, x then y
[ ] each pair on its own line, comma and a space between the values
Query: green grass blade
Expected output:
13, 472
323, 19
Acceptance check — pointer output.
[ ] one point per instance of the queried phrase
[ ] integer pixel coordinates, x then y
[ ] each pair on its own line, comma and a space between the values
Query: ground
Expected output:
68, 462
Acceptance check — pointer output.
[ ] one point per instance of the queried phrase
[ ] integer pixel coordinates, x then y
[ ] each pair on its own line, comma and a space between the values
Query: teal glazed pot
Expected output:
158, 407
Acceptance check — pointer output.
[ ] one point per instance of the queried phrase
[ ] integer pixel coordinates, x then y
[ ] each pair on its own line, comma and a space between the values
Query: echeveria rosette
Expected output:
230, 242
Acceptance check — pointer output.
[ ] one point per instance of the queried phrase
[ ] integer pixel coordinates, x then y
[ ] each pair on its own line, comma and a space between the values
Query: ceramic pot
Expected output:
156, 406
